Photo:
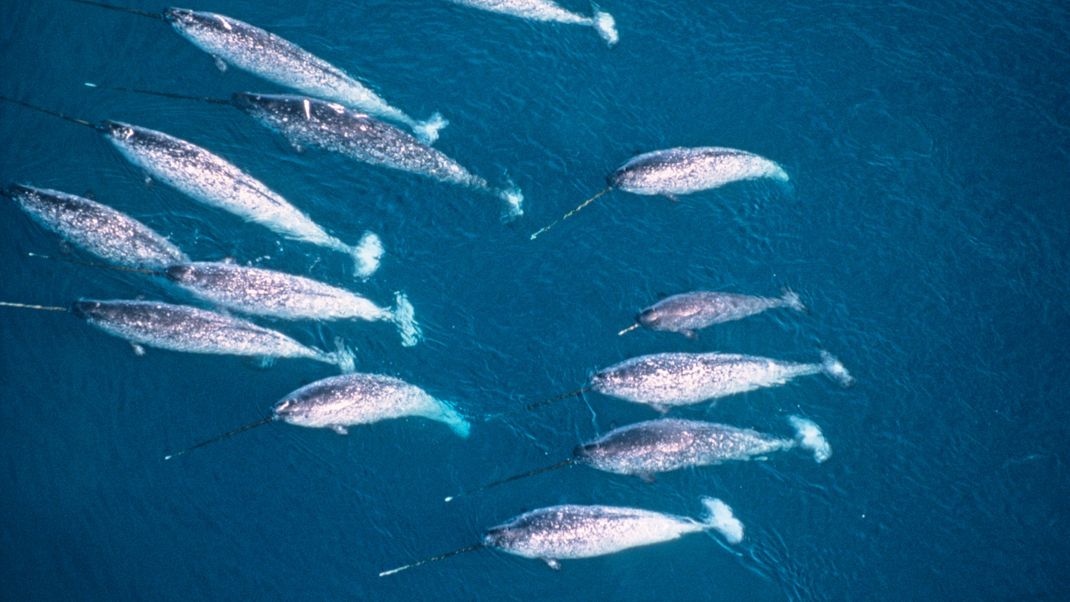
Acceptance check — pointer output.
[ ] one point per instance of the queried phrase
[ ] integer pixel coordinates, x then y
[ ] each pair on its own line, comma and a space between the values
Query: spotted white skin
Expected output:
280, 61
685, 170
687, 312
192, 330
573, 531
310, 122
262, 292
668, 444
109, 234
342, 401
546, 10
214, 181
663, 380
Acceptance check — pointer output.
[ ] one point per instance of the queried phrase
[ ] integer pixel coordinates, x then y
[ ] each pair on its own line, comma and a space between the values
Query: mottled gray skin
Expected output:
277, 60
113, 236
546, 10
669, 444
685, 170
535, 10
674, 379
311, 122
214, 181
572, 531
350, 399
687, 312
269, 293
189, 329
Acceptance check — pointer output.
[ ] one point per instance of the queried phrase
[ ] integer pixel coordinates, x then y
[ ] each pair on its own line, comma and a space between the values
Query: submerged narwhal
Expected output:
280, 61
572, 531
687, 312
683, 170
191, 330
214, 181
263, 292
343, 401
547, 10
109, 234
647, 448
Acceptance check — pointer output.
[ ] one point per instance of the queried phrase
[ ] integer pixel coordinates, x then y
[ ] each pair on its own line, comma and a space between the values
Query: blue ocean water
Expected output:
926, 230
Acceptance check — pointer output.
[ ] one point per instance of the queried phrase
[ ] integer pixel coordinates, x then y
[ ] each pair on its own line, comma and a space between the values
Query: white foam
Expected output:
720, 517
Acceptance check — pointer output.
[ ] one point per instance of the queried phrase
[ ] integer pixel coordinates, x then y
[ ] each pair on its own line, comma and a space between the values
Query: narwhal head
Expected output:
87, 310
292, 411
117, 130
181, 273
186, 20
649, 317
504, 537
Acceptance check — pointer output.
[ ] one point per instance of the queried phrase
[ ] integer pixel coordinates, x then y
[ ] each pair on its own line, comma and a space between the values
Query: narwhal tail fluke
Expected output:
405, 320
449, 416
791, 299
835, 370
514, 202
720, 518
342, 356
605, 25
366, 254
809, 436
427, 131
571, 213
122, 9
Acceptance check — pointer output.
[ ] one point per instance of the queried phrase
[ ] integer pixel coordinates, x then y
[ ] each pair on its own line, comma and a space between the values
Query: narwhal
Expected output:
306, 121
571, 532
665, 380
191, 330
687, 312
274, 294
111, 235
280, 61
647, 448
214, 181
340, 402
547, 10
263, 292
677, 171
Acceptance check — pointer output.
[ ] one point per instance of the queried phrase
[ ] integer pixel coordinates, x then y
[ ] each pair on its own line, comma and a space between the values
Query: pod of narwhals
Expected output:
336, 112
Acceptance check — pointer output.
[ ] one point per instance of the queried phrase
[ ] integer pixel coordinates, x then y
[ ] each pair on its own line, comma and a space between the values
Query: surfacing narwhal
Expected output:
666, 380
571, 532
651, 447
682, 170
280, 61
262, 292
340, 402
191, 330
111, 235
686, 313
547, 10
